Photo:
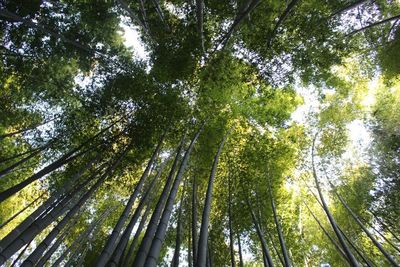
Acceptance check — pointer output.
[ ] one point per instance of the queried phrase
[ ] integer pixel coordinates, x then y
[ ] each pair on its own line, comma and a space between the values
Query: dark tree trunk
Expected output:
152, 225
333, 241
231, 242
352, 260
112, 240
244, 11
46, 213
267, 256
373, 25
279, 229
348, 7
241, 264
37, 253
48, 169
384, 225
276, 249
194, 219
366, 231
178, 240
78, 242
132, 15
281, 19
203, 237
199, 16
18, 163
126, 261
121, 247
154, 252
21, 254
21, 211
24, 129
356, 249
57, 243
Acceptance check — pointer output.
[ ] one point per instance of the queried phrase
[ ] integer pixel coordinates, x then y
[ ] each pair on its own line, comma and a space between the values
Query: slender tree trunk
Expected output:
111, 243
333, 241
348, 7
189, 235
36, 254
18, 163
200, 27
352, 260
267, 256
30, 151
57, 243
154, 252
366, 231
121, 247
78, 241
21, 211
281, 19
279, 229
152, 225
241, 264
276, 249
14, 17
24, 129
384, 225
57, 199
373, 25
48, 169
132, 15
177, 252
231, 242
126, 261
356, 249
203, 237
144, 16
209, 260
194, 219
21, 254
245, 10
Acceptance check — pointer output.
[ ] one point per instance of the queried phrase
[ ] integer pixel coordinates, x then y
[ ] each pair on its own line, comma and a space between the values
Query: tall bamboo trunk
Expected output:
79, 240
22, 210
333, 241
63, 160
281, 19
357, 249
40, 218
121, 247
154, 252
58, 242
352, 260
231, 242
127, 259
37, 253
203, 237
367, 232
267, 256
178, 240
279, 229
112, 240
194, 220
241, 264
276, 249
144, 247
18, 163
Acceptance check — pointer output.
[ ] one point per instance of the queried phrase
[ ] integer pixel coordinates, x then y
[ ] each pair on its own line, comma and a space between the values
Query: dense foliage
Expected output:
249, 133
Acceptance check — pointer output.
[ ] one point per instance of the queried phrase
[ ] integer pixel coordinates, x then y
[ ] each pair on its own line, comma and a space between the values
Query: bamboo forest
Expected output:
200, 133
